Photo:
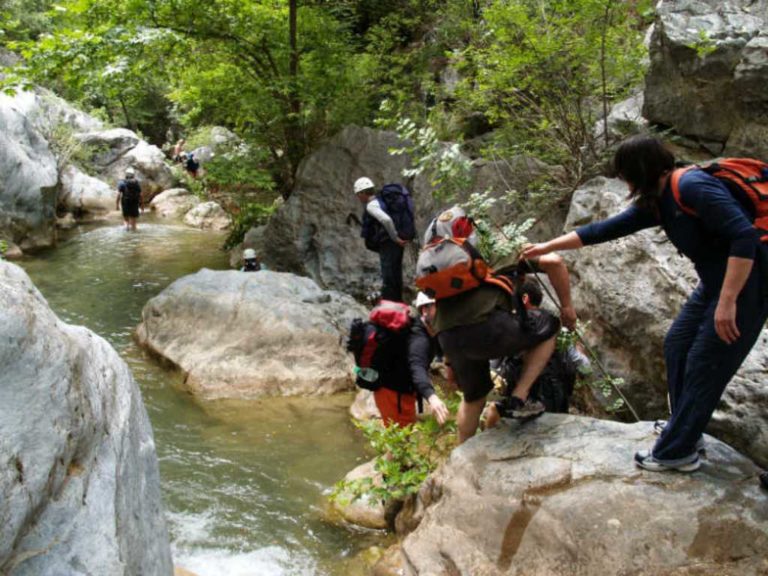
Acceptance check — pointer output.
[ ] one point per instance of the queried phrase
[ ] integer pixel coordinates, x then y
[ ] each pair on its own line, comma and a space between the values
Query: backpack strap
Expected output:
502, 282
674, 182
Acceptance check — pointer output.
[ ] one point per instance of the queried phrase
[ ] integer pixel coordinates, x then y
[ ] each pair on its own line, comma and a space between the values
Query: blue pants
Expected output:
391, 259
700, 364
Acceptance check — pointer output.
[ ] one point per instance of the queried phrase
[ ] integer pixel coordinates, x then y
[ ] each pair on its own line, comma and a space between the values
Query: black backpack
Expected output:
553, 387
383, 349
396, 201
130, 189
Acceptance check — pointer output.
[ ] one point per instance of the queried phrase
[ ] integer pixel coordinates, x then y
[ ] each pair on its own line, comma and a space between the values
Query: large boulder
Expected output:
174, 203
114, 150
81, 193
251, 334
316, 232
708, 72
561, 495
28, 175
79, 483
629, 291
208, 216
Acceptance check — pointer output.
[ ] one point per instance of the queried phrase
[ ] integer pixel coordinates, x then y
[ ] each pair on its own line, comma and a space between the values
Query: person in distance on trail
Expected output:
722, 318
251, 262
382, 235
129, 198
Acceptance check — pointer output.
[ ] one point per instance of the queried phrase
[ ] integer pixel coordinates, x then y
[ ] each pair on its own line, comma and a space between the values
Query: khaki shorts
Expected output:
470, 348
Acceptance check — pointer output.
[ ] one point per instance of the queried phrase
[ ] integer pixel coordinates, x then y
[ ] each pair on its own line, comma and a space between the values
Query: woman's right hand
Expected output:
534, 250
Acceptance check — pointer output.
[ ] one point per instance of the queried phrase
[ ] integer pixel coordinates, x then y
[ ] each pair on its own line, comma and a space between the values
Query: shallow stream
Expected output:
244, 483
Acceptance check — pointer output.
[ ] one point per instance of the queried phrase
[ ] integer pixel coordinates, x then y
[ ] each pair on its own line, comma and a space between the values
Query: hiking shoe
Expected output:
644, 459
529, 408
658, 428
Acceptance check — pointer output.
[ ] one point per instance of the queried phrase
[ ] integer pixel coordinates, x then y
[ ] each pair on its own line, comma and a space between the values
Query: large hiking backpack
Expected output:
745, 178
450, 265
396, 201
381, 344
130, 189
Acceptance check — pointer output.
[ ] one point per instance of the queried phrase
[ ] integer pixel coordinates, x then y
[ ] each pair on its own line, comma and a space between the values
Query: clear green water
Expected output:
244, 483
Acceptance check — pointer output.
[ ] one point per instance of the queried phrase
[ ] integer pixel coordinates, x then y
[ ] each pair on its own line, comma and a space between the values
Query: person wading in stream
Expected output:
724, 315
129, 198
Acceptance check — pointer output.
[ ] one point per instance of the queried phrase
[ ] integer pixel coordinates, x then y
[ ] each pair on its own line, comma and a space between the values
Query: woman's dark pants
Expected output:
700, 364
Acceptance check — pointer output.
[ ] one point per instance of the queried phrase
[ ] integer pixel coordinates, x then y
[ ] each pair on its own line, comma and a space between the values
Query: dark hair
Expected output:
640, 161
532, 288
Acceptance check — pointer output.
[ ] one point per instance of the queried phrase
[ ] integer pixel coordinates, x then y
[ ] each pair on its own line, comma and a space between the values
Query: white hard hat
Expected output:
130, 171
249, 254
363, 184
422, 300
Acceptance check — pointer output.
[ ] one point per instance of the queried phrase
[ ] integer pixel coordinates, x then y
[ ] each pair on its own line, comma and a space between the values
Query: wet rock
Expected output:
174, 203
561, 495
630, 290
251, 334
79, 485
363, 511
208, 216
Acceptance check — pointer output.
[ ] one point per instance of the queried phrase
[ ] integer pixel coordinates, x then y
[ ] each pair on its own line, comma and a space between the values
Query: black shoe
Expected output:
529, 408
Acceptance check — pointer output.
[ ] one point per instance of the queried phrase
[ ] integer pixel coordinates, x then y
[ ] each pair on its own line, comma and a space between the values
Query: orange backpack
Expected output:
449, 266
745, 178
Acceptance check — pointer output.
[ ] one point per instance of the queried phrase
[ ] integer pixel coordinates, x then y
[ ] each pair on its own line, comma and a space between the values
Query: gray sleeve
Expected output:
374, 209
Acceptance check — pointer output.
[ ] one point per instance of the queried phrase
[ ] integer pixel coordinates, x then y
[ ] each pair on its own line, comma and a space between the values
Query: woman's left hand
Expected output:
725, 321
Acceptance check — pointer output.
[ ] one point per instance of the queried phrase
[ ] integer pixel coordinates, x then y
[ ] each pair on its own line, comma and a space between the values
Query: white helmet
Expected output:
422, 300
130, 172
249, 254
363, 184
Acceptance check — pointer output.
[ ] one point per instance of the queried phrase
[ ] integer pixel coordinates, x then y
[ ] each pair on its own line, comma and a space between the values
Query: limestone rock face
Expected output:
174, 203
82, 193
208, 216
630, 290
316, 232
561, 495
718, 93
251, 334
79, 484
28, 176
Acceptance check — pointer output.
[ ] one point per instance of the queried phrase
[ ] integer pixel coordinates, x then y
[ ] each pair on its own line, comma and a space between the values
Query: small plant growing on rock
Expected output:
405, 457
3, 248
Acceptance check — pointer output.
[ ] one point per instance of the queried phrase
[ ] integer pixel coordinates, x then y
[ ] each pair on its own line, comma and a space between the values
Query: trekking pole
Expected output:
589, 350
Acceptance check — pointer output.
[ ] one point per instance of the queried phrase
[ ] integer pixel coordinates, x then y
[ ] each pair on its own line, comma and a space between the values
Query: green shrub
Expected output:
250, 214
405, 456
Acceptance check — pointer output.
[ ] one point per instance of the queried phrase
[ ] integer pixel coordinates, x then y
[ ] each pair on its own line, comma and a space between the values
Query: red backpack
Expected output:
380, 347
746, 178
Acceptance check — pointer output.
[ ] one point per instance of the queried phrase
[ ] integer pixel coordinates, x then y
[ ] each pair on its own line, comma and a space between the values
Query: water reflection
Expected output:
243, 482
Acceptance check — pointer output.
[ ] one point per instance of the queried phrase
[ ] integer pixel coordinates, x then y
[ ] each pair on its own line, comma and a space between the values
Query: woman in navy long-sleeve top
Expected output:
722, 318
